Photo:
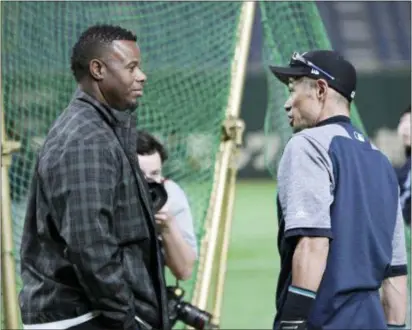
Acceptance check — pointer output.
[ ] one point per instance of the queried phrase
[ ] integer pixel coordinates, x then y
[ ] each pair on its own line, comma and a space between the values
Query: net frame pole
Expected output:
226, 222
234, 130
8, 280
223, 193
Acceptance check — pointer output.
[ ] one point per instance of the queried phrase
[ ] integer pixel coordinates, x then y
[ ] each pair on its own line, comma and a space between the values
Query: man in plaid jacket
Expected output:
90, 258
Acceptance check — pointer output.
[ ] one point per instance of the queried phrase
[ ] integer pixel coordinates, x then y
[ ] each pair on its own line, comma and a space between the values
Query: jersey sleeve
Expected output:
305, 188
398, 265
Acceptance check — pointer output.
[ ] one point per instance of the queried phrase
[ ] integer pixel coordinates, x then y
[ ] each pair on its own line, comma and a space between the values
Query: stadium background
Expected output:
375, 36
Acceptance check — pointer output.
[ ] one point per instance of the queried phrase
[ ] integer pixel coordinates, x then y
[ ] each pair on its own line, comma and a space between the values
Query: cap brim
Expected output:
284, 73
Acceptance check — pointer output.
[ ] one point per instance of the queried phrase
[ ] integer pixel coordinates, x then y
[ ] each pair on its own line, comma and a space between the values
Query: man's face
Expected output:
302, 106
151, 166
404, 129
123, 79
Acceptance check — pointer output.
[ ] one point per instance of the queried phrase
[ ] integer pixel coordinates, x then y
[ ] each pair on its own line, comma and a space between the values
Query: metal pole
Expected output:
212, 234
228, 144
226, 229
8, 280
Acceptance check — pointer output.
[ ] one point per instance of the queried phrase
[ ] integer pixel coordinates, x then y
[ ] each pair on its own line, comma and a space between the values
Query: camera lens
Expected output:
195, 317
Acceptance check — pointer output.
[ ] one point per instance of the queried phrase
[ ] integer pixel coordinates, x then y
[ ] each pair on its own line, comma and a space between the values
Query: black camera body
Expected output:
158, 195
179, 310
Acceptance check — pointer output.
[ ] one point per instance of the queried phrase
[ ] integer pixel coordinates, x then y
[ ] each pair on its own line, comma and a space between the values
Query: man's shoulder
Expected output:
176, 194
333, 139
76, 133
334, 135
78, 124
173, 188
323, 135
81, 117
309, 140
309, 146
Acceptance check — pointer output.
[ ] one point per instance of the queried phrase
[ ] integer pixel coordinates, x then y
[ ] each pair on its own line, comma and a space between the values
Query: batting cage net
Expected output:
288, 27
187, 50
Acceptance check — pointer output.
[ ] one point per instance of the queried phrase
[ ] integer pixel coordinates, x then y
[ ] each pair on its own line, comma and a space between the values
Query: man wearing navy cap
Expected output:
341, 235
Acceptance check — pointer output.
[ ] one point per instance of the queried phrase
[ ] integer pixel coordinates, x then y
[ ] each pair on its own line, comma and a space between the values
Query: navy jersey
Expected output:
332, 182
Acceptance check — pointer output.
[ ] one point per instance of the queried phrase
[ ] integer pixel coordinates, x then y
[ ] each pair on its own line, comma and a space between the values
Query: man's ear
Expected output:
322, 90
97, 69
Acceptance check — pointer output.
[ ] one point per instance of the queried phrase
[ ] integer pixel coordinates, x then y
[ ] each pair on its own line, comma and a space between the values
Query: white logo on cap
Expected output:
352, 95
313, 71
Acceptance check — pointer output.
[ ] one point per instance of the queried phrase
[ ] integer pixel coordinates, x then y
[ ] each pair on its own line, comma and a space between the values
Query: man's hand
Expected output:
308, 266
164, 219
394, 298
179, 256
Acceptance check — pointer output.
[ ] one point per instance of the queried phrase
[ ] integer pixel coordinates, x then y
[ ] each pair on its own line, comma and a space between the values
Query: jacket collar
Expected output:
112, 116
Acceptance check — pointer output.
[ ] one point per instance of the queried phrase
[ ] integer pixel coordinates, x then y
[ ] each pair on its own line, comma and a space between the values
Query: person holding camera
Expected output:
174, 219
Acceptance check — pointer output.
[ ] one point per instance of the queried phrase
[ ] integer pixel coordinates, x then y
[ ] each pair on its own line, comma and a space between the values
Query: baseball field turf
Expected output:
253, 261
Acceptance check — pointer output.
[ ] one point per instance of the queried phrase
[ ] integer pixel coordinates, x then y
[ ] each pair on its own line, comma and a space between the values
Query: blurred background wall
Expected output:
376, 37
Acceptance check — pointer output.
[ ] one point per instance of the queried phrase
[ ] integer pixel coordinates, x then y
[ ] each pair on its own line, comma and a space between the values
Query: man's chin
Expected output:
297, 128
134, 105
292, 124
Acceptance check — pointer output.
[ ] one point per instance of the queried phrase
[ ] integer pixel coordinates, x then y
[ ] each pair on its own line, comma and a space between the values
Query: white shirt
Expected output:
180, 209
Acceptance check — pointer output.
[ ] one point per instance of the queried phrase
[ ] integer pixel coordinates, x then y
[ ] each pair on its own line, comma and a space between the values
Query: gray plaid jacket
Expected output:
89, 240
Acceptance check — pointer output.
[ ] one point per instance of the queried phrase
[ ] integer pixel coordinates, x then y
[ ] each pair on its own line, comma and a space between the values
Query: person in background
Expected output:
404, 179
404, 172
174, 220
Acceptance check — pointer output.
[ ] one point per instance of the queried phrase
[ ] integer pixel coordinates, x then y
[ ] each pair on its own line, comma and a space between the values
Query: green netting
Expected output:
187, 49
288, 27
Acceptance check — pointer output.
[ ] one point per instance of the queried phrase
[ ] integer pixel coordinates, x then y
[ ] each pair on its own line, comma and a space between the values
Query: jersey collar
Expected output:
334, 120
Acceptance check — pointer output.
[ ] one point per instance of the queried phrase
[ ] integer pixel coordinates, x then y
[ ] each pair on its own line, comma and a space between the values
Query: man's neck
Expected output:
93, 91
333, 111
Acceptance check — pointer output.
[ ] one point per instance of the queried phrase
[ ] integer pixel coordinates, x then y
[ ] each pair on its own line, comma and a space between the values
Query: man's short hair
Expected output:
91, 44
311, 83
407, 110
147, 145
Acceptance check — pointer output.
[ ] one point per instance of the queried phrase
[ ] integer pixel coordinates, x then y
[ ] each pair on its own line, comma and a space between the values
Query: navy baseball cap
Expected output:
321, 64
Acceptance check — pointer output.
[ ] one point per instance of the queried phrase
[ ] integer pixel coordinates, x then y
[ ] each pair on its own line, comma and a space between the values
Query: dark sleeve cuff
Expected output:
394, 271
309, 232
395, 326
